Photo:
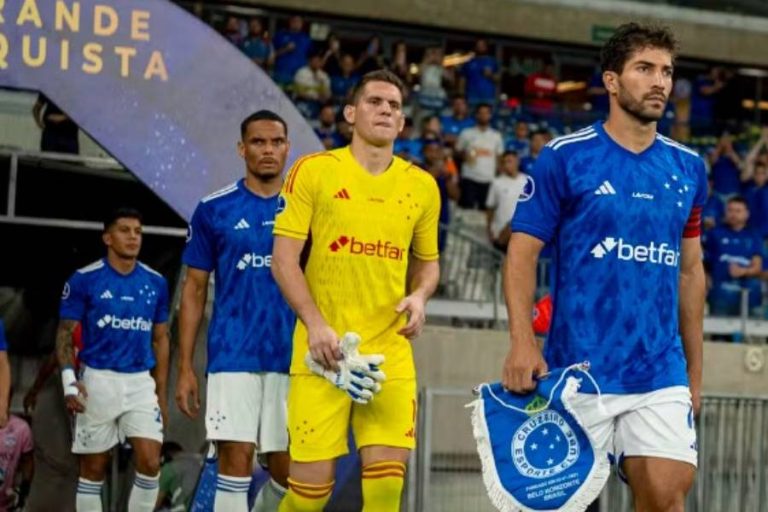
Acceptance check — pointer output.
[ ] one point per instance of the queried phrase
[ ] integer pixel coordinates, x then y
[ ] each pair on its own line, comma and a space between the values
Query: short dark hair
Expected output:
261, 115
509, 152
738, 199
122, 212
632, 37
541, 131
483, 105
379, 75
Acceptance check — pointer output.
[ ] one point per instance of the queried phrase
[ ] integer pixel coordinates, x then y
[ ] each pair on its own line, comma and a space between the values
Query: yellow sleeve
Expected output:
425, 231
296, 203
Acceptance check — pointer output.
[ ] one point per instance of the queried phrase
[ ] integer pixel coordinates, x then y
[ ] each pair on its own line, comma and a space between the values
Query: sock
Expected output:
269, 497
231, 493
305, 497
88, 498
382, 486
144, 493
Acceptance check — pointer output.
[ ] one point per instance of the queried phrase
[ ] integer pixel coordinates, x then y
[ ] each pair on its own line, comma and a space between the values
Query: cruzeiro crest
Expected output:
544, 446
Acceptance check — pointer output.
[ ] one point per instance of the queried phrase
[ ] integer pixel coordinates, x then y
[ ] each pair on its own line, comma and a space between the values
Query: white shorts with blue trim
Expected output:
118, 406
656, 424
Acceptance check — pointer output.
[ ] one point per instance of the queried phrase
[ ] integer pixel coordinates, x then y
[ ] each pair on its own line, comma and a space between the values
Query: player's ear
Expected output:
610, 80
349, 114
241, 149
106, 237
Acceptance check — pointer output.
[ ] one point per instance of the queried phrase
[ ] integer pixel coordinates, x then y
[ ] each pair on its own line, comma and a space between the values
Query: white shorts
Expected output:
248, 407
655, 424
118, 406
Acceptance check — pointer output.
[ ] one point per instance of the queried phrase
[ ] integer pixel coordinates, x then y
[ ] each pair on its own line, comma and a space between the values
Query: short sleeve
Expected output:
295, 205
538, 209
702, 193
425, 232
161, 310
74, 298
199, 251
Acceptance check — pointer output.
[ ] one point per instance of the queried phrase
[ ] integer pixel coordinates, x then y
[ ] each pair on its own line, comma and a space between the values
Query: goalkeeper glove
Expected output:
353, 383
368, 365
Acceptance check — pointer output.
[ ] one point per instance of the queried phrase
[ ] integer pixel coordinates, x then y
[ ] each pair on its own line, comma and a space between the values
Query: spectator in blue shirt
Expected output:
726, 167
326, 129
703, 95
480, 75
457, 121
539, 139
714, 209
292, 49
343, 82
756, 194
735, 260
407, 146
519, 142
256, 45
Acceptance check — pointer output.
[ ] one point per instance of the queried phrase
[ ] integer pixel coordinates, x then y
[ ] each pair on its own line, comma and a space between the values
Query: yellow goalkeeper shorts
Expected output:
319, 415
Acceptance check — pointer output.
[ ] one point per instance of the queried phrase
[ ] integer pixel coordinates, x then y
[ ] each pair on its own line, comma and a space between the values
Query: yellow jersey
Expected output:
361, 228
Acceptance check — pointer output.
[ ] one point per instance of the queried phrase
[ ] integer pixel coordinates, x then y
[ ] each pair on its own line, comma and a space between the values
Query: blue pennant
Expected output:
535, 454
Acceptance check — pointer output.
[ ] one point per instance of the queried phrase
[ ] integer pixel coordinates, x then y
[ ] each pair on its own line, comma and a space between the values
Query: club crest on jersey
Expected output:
282, 202
528, 189
544, 446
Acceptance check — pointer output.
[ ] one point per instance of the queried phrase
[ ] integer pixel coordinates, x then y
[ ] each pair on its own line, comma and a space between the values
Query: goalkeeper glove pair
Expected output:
358, 375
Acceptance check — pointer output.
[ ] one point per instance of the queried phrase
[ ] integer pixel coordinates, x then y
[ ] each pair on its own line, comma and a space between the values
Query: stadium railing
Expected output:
732, 473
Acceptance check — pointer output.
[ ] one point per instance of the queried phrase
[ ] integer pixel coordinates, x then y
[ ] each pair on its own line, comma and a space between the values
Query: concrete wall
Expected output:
715, 36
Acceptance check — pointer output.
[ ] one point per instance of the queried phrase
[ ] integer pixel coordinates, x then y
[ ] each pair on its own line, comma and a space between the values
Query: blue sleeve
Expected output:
538, 209
701, 196
161, 311
74, 298
200, 249
279, 40
3, 341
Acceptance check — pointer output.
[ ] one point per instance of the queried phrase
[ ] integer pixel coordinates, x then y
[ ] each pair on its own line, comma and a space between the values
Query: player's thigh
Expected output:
656, 448
273, 421
318, 417
389, 419
141, 417
96, 429
233, 405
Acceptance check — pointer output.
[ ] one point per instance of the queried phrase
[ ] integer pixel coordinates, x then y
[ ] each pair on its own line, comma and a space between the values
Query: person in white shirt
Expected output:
480, 148
502, 199
311, 82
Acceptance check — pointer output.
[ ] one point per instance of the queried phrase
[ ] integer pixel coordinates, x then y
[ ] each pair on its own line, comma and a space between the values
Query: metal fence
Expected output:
732, 476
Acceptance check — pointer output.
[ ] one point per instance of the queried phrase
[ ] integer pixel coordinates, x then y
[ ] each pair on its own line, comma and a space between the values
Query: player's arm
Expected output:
691, 312
49, 366
5, 387
286, 269
524, 360
194, 294
754, 269
65, 355
161, 346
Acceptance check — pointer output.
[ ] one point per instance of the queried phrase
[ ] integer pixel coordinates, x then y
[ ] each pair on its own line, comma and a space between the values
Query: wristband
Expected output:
69, 382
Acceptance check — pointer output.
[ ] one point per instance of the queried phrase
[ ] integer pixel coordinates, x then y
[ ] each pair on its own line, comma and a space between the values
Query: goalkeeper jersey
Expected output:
362, 228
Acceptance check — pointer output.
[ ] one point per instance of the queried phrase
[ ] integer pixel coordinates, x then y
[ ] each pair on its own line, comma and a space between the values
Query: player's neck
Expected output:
373, 159
630, 133
263, 188
121, 265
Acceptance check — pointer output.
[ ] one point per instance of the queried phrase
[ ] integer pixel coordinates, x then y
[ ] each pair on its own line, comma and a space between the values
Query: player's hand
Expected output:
30, 401
359, 387
76, 403
187, 394
736, 270
695, 399
364, 364
523, 363
413, 306
163, 404
324, 347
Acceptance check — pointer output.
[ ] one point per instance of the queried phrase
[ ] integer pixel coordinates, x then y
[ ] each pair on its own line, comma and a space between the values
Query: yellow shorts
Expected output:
319, 415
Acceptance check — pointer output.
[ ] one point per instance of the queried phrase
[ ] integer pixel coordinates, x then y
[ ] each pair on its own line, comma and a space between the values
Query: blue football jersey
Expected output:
724, 247
616, 221
252, 326
3, 341
117, 313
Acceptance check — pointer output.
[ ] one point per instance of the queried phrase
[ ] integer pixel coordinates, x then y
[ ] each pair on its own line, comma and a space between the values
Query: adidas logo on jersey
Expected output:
106, 295
379, 249
342, 194
125, 324
253, 260
606, 189
242, 224
660, 254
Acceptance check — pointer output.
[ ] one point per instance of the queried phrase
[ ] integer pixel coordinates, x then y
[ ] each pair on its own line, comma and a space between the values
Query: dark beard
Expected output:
266, 177
635, 108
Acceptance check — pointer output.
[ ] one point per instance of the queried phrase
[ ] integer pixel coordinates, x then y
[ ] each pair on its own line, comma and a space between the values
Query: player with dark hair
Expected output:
372, 266
622, 205
122, 305
249, 337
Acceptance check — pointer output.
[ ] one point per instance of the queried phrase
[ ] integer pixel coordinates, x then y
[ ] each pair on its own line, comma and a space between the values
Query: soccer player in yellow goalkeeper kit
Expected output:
372, 265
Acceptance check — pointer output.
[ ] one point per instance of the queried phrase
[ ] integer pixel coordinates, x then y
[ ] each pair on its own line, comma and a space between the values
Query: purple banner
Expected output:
155, 86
